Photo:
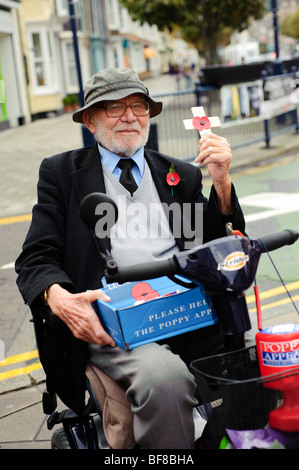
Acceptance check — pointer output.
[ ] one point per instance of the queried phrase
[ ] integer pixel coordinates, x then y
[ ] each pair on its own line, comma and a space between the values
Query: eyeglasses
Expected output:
116, 110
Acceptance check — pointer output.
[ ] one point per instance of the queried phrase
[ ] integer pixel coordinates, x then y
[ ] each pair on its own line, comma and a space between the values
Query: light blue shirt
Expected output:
110, 160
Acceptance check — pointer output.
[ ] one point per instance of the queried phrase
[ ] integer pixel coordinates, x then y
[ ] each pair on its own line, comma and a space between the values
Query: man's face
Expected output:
123, 135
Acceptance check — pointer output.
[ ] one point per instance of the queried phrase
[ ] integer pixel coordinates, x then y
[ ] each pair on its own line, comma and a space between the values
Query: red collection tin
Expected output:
278, 355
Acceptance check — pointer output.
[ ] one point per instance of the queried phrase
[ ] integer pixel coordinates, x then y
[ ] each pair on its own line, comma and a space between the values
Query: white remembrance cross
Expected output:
201, 122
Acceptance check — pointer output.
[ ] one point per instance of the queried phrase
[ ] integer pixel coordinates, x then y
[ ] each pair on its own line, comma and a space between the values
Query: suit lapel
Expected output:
88, 176
87, 172
159, 167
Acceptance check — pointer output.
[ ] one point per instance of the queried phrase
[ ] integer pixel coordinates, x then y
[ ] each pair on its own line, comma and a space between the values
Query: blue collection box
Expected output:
147, 311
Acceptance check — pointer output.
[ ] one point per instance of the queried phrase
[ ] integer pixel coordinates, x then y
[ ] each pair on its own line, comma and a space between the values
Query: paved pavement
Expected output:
23, 424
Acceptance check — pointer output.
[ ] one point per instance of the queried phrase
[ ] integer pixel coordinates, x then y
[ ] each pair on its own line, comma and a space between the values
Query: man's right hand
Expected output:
76, 312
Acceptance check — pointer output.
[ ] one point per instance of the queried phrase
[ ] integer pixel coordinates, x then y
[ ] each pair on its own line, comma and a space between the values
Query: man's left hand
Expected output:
215, 153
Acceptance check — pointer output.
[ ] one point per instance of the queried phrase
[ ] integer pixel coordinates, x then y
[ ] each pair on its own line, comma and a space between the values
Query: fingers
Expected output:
86, 326
98, 294
213, 149
84, 322
76, 311
90, 328
213, 156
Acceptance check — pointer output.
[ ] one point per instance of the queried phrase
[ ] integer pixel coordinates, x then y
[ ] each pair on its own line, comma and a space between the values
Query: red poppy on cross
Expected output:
200, 121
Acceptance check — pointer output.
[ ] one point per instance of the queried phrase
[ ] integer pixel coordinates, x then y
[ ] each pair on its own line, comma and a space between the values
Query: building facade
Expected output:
14, 108
43, 74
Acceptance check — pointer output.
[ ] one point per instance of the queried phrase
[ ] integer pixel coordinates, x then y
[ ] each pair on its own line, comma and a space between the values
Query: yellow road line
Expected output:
19, 358
15, 219
20, 371
273, 292
27, 356
276, 304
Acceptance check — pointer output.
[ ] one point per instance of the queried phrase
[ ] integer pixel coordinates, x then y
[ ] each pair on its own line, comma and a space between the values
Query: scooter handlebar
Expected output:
142, 271
170, 266
278, 240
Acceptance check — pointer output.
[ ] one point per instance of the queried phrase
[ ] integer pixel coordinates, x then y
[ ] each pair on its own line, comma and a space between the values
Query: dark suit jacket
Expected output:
59, 248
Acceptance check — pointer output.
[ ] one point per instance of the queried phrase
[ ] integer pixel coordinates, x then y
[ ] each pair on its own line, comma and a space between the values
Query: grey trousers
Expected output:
160, 388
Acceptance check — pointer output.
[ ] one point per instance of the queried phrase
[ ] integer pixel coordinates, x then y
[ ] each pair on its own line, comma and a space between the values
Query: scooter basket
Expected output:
231, 390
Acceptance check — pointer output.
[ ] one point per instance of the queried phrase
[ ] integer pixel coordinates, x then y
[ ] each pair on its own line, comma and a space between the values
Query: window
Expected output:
121, 17
62, 8
41, 44
70, 68
99, 19
38, 60
112, 14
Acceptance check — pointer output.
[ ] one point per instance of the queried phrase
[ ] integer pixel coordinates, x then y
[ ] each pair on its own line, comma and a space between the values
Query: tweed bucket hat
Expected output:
113, 84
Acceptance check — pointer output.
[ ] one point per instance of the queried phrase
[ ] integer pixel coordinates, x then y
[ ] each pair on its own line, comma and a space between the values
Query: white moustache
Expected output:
133, 127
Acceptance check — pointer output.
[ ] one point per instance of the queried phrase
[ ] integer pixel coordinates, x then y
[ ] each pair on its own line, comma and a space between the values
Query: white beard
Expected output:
126, 147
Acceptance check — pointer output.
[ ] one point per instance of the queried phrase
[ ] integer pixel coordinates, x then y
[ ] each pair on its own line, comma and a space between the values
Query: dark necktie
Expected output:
126, 177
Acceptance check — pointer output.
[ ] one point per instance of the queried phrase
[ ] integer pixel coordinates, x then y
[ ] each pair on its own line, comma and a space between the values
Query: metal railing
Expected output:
168, 134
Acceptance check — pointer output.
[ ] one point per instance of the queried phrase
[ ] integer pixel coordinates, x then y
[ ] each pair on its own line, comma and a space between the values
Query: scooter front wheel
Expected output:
59, 440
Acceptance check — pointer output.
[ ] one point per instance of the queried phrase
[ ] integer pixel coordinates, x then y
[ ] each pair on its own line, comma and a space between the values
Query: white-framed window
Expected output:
121, 16
44, 72
62, 8
99, 18
113, 19
70, 67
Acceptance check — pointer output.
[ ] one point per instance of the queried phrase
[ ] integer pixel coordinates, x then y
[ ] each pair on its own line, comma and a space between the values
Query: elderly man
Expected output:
60, 270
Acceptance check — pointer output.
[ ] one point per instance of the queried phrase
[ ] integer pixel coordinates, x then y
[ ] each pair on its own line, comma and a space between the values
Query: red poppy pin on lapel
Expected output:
172, 177
200, 121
